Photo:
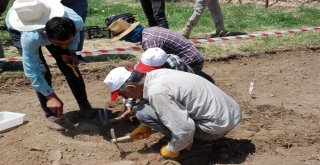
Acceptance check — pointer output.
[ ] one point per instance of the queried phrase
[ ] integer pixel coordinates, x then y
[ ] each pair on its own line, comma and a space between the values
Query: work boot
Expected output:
185, 32
51, 124
86, 111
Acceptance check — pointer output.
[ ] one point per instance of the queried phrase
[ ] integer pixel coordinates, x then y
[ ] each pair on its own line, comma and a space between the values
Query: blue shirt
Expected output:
30, 43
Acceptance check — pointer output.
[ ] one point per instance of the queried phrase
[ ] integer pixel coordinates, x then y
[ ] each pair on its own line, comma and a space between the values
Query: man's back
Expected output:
210, 108
171, 43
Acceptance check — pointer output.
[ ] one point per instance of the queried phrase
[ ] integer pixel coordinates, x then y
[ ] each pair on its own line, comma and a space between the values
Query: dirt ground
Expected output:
280, 122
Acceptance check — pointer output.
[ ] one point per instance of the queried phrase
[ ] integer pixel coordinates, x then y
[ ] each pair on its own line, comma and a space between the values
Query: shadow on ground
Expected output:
224, 151
96, 126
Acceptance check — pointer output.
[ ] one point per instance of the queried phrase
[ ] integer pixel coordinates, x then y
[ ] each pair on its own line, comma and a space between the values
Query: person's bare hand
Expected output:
55, 104
125, 115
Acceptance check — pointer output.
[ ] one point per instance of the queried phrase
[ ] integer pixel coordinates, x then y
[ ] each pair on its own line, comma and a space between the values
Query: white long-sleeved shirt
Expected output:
185, 101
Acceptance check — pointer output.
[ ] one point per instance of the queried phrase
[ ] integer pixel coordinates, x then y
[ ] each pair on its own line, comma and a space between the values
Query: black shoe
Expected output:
86, 111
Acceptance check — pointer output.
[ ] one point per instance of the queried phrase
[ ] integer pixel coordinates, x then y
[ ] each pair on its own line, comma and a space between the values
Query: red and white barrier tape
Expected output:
105, 51
265, 34
195, 41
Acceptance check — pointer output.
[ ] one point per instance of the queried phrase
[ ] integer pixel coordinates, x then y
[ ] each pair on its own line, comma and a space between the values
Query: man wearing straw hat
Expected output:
171, 42
49, 23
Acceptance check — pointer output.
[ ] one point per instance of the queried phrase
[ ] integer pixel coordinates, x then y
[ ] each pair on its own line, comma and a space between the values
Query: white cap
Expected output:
115, 79
151, 59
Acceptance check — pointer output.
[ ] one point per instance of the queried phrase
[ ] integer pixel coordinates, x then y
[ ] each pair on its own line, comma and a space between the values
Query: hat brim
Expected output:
57, 10
114, 95
121, 35
143, 68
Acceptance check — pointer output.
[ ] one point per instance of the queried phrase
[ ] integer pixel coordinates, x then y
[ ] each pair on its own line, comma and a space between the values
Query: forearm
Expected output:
31, 66
39, 83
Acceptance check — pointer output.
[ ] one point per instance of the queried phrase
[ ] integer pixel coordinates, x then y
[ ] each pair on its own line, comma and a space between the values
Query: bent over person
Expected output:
50, 24
169, 41
178, 104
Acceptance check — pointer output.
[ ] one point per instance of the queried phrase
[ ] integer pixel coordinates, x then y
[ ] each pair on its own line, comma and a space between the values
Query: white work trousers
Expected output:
215, 10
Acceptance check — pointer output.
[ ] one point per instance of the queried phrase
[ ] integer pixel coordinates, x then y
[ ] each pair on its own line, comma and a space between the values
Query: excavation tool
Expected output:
104, 119
123, 138
73, 70
113, 135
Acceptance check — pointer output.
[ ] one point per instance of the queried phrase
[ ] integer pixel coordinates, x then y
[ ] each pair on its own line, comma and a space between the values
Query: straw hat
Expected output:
121, 28
28, 15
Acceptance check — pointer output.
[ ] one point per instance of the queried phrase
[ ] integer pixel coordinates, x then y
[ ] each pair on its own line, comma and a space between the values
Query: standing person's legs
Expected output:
148, 12
81, 8
75, 83
216, 14
15, 38
199, 6
158, 7
83, 14
146, 115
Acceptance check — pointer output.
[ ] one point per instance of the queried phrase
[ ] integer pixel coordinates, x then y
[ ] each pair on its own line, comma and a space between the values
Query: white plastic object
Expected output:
251, 87
10, 119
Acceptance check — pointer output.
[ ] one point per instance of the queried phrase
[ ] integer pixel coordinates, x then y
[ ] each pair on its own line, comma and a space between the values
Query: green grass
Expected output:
243, 18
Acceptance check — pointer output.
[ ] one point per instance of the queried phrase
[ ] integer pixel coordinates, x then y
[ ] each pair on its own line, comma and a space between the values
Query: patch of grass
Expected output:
286, 41
215, 50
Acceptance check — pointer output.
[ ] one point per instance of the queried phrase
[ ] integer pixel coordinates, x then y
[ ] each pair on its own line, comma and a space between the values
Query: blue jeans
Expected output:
154, 10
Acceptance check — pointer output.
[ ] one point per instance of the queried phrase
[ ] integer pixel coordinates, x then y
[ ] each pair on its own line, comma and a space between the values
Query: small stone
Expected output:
55, 156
